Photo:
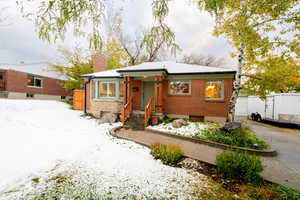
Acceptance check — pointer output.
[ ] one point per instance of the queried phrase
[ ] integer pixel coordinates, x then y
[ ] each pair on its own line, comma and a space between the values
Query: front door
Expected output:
148, 92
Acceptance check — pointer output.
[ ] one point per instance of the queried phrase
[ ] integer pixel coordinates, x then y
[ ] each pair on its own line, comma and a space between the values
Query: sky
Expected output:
193, 28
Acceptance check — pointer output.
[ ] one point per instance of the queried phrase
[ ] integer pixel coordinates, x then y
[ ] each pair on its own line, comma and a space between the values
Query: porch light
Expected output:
145, 76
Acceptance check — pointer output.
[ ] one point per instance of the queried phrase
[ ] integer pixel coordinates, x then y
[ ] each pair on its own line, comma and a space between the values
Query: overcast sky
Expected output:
193, 29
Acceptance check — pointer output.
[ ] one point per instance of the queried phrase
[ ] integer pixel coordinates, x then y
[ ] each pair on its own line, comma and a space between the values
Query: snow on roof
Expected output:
41, 69
175, 68
105, 74
167, 66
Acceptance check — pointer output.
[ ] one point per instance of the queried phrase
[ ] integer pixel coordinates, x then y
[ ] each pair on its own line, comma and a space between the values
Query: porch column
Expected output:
158, 99
127, 89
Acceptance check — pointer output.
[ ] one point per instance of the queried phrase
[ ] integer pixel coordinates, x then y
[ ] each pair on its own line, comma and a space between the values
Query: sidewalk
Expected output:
274, 170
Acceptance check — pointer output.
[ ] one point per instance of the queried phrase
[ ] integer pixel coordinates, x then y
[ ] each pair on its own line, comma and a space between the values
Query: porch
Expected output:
143, 95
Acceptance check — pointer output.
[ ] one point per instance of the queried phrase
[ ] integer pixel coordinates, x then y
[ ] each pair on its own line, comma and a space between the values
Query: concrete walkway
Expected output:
275, 171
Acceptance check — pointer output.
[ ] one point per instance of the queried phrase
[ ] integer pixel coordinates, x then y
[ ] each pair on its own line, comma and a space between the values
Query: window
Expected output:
29, 95
214, 90
107, 89
180, 87
1, 77
33, 81
62, 97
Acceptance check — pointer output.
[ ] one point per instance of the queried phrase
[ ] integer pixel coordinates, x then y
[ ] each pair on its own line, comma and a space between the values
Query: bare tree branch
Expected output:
203, 60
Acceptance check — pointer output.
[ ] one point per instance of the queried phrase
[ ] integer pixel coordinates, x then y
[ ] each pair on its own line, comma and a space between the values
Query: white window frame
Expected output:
34, 81
222, 90
97, 92
184, 81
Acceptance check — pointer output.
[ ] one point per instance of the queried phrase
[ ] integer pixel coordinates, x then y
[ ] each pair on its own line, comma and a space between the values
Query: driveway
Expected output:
286, 142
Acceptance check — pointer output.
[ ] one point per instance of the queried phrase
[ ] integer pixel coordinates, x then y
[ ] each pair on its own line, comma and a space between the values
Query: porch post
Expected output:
125, 89
158, 94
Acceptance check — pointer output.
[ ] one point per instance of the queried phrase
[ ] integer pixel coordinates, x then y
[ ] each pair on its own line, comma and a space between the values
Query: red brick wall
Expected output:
195, 104
17, 82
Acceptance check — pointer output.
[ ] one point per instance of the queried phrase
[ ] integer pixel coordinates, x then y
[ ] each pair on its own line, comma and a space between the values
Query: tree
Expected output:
203, 60
256, 28
148, 46
260, 30
274, 75
3, 17
76, 65
115, 54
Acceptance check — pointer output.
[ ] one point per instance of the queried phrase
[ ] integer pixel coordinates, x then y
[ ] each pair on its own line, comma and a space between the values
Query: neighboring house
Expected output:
163, 88
35, 80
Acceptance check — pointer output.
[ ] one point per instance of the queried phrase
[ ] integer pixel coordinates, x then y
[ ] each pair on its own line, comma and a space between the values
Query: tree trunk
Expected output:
236, 85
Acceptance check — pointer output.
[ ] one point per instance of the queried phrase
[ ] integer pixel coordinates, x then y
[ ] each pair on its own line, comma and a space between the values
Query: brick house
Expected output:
35, 80
160, 88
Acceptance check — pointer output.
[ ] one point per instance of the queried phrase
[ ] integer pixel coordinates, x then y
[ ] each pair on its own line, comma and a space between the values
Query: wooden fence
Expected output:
78, 99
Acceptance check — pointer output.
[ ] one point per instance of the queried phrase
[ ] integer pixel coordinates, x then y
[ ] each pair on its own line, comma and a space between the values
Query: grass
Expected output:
88, 115
215, 191
169, 154
241, 137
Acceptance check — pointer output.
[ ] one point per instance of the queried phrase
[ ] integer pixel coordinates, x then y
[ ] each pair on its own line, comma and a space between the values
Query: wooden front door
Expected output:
148, 92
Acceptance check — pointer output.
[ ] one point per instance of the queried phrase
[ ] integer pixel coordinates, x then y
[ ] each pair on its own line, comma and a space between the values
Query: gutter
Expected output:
85, 93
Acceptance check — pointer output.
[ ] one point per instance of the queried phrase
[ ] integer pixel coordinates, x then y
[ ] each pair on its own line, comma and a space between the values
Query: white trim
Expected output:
184, 81
97, 92
34, 79
222, 90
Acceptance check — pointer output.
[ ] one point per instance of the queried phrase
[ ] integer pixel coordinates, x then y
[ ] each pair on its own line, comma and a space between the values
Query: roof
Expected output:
168, 66
176, 68
105, 74
41, 69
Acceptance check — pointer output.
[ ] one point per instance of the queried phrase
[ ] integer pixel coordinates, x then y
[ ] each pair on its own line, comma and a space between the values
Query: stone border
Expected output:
267, 153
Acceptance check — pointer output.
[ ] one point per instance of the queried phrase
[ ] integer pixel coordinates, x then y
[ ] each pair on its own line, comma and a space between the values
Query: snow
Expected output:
42, 69
192, 129
175, 68
44, 138
168, 66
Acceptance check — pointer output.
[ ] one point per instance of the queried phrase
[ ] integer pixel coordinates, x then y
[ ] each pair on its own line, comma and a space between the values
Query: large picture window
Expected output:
214, 90
33, 81
106, 89
179, 87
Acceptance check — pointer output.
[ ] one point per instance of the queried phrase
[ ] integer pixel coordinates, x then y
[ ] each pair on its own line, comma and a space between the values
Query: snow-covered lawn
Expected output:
45, 141
192, 129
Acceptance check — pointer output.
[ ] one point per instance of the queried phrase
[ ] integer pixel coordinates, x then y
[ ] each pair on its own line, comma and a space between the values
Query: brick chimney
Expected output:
99, 63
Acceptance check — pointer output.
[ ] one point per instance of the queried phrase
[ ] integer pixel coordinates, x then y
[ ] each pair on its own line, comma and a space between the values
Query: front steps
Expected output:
136, 121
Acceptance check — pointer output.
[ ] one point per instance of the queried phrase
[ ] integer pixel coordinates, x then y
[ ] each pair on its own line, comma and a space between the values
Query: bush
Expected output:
285, 192
241, 137
240, 166
169, 154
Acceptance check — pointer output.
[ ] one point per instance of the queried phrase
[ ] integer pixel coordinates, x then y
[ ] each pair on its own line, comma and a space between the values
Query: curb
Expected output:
266, 153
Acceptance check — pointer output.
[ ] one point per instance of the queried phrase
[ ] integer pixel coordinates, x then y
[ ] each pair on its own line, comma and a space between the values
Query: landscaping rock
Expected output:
179, 123
108, 118
189, 163
231, 126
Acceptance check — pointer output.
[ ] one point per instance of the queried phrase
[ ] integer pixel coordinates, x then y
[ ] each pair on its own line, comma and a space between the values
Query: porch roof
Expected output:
175, 68
167, 67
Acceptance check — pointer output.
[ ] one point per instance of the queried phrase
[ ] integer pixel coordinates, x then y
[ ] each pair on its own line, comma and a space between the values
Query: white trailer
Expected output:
284, 108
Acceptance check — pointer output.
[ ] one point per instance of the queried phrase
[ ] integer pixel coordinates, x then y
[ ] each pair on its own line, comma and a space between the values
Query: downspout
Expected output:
85, 94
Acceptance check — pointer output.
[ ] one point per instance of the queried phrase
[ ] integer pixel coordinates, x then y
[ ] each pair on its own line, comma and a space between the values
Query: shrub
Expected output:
242, 137
240, 166
169, 154
285, 192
